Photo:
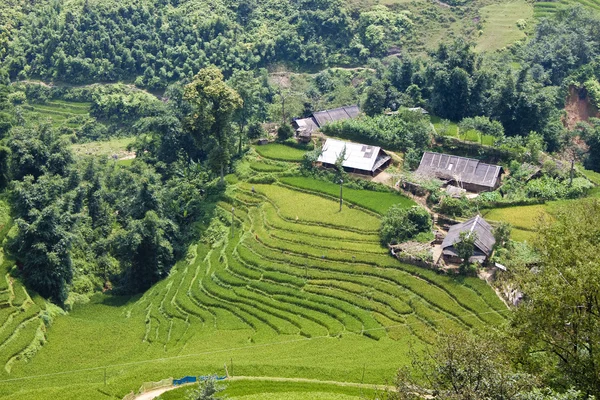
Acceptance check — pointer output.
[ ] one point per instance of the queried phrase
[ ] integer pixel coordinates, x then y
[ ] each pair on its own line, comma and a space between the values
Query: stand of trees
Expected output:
155, 43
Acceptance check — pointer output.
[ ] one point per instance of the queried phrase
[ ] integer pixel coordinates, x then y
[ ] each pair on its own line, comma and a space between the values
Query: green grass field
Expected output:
438, 125
500, 24
277, 151
298, 290
106, 148
378, 202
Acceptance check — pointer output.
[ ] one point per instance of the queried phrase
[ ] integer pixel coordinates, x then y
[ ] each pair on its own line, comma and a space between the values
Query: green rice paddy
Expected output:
277, 151
378, 202
295, 289
59, 113
500, 24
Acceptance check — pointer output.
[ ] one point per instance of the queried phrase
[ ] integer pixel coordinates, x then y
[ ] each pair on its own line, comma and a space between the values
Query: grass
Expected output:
378, 202
276, 151
107, 148
521, 217
476, 136
439, 126
453, 130
301, 290
263, 167
500, 24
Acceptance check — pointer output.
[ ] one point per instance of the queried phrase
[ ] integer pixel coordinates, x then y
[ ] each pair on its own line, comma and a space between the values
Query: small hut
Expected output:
305, 127
484, 243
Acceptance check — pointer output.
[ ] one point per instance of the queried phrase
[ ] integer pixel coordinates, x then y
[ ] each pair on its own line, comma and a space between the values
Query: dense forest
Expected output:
192, 83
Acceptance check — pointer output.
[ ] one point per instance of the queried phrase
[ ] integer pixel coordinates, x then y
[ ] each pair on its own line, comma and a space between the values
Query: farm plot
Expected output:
22, 331
292, 280
58, 112
281, 152
378, 202
500, 24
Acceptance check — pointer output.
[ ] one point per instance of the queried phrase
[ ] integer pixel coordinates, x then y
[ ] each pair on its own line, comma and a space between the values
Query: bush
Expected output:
402, 224
285, 132
454, 207
255, 130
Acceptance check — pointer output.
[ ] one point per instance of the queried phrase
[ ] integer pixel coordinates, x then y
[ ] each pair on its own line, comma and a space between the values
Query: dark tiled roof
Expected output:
460, 169
337, 114
484, 231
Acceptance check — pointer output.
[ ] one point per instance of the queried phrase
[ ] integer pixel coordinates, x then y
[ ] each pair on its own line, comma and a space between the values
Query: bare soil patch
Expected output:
578, 108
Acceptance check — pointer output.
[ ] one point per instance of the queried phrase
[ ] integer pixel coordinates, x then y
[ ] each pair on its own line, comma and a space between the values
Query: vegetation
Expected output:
378, 202
135, 211
277, 151
401, 224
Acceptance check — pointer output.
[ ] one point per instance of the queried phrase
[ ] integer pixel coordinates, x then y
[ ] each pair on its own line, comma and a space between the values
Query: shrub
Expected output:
285, 132
256, 130
401, 224
454, 207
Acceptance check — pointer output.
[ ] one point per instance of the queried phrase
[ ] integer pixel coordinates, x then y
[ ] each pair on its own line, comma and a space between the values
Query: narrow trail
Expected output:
157, 392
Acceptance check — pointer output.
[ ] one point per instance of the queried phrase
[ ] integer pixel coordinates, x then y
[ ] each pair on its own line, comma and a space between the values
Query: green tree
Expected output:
463, 366
559, 320
253, 91
465, 247
213, 105
42, 247
284, 132
375, 101
206, 390
400, 224
145, 246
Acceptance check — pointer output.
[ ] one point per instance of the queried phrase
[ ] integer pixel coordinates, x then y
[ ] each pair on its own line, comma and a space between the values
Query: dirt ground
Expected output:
578, 108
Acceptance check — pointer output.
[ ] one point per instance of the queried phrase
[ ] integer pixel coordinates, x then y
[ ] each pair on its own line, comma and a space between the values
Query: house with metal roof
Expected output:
358, 158
484, 240
467, 173
304, 127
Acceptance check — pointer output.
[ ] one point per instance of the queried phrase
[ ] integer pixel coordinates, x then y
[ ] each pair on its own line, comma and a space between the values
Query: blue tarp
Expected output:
192, 379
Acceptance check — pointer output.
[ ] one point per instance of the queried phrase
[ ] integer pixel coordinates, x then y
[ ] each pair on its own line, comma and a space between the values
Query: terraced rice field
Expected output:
22, 330
58, 112
500, 24
547, 8
295, 288
281, 152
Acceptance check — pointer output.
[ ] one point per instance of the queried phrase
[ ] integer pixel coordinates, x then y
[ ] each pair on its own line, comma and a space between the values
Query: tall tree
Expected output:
253, 91
213, 104
559, 321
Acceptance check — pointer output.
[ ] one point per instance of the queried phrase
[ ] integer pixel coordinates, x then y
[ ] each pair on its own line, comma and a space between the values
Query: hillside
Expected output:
292, 280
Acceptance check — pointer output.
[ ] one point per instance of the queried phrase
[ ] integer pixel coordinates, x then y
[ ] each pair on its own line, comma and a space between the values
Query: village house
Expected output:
305, 127
484, 241
465, 173
358, 158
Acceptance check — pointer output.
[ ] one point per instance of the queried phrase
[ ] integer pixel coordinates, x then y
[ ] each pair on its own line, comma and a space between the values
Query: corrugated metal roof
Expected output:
485, 234
337, 114
358, 156
305, 124
459, 169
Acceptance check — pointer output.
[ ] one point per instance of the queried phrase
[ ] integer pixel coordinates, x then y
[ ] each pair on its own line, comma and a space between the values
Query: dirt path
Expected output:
157, 392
